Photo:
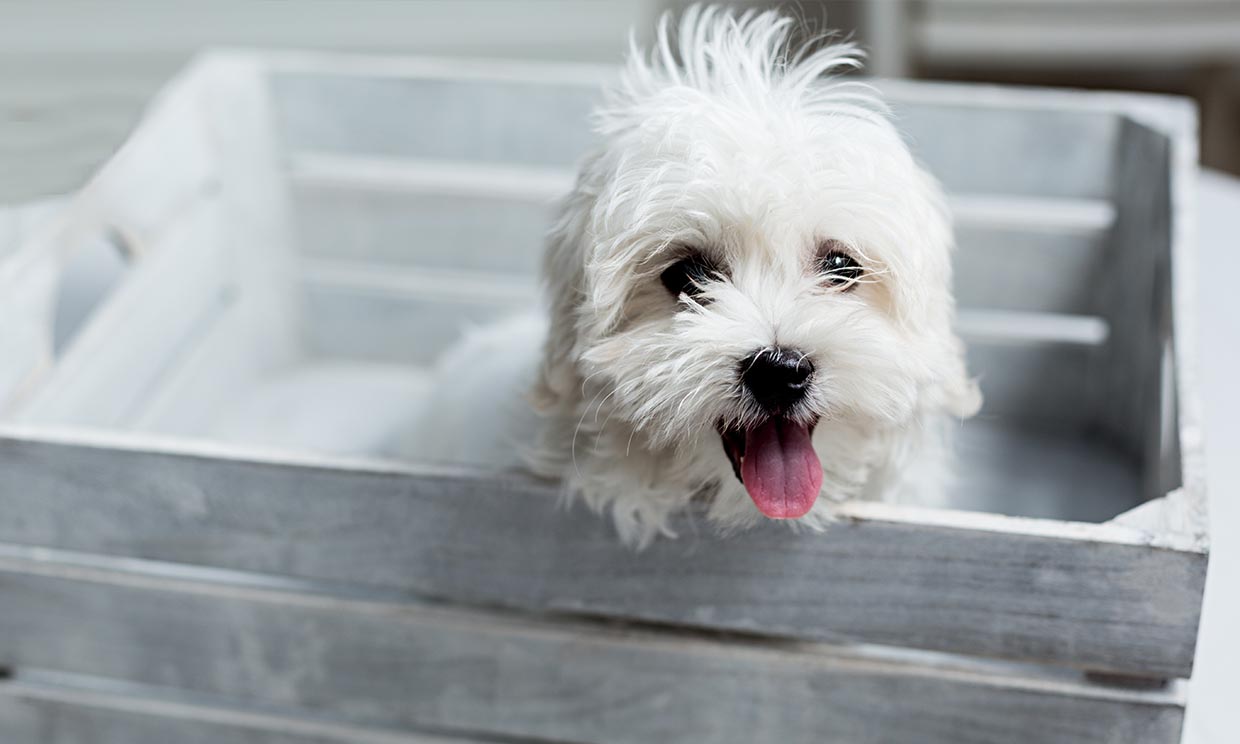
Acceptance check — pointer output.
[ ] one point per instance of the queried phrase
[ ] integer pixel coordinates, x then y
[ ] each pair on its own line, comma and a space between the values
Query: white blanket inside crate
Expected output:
351, 408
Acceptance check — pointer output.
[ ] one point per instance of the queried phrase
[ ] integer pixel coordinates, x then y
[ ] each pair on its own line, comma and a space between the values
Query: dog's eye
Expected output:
839, 269
689, 276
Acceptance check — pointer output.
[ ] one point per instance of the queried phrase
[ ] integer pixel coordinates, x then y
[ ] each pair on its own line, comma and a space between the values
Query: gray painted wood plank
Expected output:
1134, 297
490, 121
54, 708
1001, 263
408, 665
1089, 596
1065, 150
1048, 384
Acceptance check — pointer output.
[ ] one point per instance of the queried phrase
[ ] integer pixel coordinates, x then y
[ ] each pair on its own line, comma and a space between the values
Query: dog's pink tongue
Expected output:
781, 471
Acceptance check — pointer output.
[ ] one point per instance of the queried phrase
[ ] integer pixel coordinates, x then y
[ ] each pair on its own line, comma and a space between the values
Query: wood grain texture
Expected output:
39, 707
402, 664
1066, 150
446, 215
1135, 299
1030, 365
1096, 597
1079, 595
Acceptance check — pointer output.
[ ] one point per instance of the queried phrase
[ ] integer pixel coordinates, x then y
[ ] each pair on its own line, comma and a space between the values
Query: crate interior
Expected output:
409, 208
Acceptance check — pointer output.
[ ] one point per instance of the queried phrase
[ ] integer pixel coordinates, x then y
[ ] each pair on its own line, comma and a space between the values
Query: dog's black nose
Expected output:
777, 378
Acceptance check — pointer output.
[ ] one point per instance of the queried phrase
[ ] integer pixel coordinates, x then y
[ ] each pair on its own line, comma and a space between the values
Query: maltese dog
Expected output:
749, 293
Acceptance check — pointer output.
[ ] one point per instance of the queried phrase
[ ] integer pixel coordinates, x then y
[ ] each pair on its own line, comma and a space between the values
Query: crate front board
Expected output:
339, 221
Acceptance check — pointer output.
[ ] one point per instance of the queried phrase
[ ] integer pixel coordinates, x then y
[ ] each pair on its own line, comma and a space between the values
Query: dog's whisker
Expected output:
628, 448
586, 380
598, 409
599, 434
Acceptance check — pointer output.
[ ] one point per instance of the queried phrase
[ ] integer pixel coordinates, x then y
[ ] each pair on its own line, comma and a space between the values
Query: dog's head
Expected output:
752, 252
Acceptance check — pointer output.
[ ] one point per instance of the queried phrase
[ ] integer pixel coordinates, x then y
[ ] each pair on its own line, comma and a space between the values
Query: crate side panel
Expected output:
436, 231
168, 165
52, 708
154, 315
361, 324
1063, 151
26, 721
1135, 297
1013, 150
411, 317
470, 120
220, 250
407, 666
1042, 385
1029, 270
1030, 471
1076, 601
1016, 266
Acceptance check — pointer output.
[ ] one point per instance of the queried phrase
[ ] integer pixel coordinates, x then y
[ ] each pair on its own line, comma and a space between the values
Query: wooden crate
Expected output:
202, 540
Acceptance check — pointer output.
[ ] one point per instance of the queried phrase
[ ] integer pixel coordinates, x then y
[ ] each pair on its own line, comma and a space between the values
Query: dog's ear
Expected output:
559, 381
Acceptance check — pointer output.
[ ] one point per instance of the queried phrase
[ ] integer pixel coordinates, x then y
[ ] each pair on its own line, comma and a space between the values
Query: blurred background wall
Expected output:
74, 74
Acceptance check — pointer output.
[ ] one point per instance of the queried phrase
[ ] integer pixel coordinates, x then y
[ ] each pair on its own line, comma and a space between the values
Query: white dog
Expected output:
750, 300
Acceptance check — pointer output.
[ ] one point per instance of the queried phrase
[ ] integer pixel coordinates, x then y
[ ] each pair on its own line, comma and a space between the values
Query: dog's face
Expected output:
742, 266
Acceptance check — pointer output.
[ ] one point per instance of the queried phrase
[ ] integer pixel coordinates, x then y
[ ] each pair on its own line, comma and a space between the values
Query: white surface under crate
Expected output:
309, 231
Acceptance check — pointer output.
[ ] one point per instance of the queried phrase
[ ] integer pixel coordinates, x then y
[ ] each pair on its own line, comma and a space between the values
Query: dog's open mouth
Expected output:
776, 462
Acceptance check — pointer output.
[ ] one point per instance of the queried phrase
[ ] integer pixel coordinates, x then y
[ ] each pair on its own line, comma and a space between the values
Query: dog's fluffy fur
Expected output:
724, 142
